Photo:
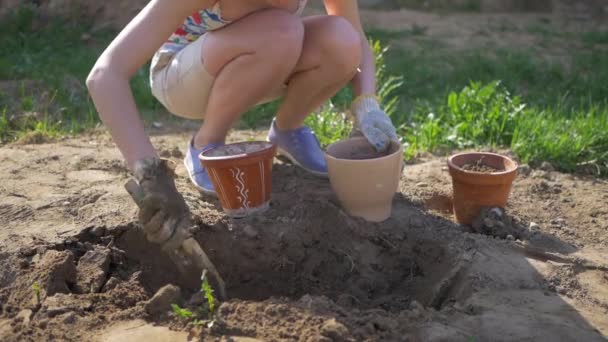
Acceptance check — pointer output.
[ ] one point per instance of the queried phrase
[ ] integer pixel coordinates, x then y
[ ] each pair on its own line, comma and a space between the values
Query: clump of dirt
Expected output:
365, 155
496, 222
238, 149
361, 151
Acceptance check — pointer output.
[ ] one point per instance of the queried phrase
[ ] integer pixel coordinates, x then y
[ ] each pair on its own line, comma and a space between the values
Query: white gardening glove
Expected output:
372, 122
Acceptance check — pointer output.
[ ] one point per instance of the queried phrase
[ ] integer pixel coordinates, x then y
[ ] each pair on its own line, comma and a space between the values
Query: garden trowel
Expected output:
189, 257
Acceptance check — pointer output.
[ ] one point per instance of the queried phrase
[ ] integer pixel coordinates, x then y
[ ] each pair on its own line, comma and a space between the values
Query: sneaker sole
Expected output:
293, 160
198, 187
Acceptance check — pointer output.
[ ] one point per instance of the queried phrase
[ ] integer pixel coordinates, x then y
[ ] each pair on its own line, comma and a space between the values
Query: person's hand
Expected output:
372, 122
163, 212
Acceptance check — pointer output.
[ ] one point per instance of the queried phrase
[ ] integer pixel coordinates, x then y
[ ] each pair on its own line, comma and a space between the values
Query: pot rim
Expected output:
455, 167
265, 150
358, 161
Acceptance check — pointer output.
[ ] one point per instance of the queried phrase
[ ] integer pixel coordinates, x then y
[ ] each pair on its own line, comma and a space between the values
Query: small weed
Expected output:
36, 289
204, 314
208, 292
329, 125
5, 125
181, 312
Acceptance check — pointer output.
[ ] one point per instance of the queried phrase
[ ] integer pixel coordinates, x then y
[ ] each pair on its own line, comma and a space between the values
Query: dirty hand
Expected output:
163, 211
372, 122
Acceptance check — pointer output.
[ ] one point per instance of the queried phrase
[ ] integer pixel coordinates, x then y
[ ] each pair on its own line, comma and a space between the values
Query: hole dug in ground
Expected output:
326, 254
109, 275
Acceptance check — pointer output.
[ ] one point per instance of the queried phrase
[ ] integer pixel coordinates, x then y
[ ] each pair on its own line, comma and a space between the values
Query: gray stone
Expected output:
69, 318
111, 284
92, 270
162, 300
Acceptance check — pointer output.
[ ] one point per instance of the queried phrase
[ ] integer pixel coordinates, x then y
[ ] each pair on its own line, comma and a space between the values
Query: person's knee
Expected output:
341, 45
282, 39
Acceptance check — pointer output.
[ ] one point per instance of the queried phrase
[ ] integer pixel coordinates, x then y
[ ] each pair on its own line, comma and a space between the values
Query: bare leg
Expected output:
329, 60
249, 58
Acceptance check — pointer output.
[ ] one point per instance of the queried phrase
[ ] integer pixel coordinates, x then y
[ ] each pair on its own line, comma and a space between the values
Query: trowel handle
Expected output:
136, 192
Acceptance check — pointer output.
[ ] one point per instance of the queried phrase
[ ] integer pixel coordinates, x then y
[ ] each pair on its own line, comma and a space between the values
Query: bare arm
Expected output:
364, 82
108, 82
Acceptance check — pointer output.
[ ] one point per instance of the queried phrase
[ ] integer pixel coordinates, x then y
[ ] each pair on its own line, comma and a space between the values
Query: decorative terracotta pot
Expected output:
241, 175
364, 181
474, 190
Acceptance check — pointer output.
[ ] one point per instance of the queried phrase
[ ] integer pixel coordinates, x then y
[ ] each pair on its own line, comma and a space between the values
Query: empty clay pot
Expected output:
241, 175
364, 181
476, 186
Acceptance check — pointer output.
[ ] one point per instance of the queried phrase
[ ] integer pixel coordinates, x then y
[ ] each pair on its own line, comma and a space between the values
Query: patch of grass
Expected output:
59, 55
488, 115
595, 37
5, 125
573, 141
429, 75
259, 116
329, 125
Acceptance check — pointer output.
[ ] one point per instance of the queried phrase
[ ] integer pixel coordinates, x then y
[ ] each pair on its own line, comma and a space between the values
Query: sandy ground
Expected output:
302, 271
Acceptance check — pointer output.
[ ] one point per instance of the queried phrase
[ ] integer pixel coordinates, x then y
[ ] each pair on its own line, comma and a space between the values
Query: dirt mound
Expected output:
303, 246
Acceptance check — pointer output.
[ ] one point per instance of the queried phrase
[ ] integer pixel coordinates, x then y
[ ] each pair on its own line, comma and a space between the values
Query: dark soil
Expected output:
480, 166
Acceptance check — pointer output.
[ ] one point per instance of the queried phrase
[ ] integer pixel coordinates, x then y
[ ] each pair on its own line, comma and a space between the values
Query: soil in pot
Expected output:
480, 166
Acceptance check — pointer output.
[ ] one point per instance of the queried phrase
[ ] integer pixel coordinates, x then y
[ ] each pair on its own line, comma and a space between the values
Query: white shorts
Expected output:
183, 86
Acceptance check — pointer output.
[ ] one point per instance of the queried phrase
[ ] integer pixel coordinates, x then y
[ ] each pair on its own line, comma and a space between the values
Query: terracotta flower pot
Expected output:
484, 187
364, 181
241, 175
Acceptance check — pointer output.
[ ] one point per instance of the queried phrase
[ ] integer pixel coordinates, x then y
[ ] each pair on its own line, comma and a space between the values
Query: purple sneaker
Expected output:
301, 147
198, 174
